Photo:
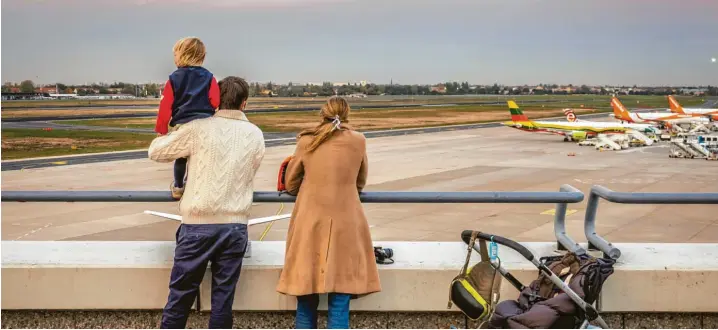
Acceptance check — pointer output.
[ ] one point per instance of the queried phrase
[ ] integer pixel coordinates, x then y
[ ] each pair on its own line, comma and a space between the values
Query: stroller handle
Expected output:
466, 237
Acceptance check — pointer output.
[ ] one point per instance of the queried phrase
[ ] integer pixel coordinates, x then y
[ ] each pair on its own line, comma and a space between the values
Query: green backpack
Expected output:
476, 290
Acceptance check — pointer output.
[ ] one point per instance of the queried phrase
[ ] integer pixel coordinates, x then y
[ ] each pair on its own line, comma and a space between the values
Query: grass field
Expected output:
34, 113
22, 143
374, 119
26, 143
280, 103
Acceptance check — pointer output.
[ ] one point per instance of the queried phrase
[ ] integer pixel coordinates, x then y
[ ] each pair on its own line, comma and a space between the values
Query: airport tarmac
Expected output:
487, 159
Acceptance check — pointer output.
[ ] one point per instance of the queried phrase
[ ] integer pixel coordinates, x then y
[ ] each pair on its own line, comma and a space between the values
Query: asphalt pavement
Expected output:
271, 140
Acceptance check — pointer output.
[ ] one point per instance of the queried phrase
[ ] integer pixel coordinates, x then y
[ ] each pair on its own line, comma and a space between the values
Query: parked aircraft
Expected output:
575, 130
677, 108
658, 118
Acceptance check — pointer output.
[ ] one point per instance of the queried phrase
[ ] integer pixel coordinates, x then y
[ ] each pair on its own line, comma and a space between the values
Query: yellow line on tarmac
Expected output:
269, 226
553, 212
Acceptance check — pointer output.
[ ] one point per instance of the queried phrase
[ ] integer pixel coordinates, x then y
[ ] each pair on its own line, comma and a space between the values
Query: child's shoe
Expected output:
176, 191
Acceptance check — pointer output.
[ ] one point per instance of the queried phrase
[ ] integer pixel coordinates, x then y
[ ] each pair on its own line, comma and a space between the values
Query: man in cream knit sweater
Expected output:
224, 154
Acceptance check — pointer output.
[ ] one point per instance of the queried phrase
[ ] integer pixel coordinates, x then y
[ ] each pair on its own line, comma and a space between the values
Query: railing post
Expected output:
632, 198
563, 241
589, 227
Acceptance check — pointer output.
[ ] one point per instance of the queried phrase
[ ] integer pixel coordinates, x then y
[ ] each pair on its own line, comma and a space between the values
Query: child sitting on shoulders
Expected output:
191, 92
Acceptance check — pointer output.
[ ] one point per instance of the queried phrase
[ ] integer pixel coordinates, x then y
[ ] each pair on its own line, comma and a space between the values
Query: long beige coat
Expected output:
329, 246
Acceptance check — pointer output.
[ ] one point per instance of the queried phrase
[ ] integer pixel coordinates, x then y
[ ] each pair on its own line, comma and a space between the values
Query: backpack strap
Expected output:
483, 250
468, 252
462, 272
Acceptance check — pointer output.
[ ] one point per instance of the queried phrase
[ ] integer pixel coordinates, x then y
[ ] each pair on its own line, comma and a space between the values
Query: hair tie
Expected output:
337, 123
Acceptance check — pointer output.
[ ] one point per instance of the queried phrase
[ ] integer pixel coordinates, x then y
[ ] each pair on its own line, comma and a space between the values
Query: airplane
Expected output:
572, 130
664, 119
677, 108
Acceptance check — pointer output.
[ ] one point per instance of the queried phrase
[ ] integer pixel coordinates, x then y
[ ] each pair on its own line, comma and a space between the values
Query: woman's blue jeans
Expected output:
338, 316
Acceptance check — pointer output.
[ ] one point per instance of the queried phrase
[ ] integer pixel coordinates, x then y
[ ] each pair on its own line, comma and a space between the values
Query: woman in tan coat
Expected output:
329, 247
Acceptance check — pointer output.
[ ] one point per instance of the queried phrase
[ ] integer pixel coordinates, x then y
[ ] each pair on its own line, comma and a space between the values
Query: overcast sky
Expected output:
410, 41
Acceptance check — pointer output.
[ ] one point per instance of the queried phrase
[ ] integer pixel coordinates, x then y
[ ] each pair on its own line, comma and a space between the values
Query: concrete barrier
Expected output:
59, 275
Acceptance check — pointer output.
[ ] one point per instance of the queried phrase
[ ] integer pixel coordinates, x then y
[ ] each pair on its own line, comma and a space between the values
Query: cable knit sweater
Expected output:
224, 154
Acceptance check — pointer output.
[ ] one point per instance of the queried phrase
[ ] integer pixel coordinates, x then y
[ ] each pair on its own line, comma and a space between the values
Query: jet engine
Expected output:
578, 135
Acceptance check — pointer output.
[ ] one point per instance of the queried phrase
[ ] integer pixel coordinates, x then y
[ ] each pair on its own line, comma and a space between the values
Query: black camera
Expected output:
383, 254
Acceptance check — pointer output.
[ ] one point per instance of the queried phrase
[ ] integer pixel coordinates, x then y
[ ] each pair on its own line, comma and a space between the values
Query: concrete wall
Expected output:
68, 275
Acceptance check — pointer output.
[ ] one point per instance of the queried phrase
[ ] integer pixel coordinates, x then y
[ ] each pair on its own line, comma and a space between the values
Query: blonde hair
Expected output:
334, 114
189, 51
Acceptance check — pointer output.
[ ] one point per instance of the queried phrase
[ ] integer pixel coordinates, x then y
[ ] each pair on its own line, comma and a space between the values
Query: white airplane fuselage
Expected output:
672, 118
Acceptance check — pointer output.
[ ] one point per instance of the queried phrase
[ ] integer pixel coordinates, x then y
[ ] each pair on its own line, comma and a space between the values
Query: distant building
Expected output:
47, 90
440, 88
24, 96
693, 91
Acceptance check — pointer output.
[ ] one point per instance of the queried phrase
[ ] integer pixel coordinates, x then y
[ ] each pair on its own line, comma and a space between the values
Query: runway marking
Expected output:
553, 212
641, 149
33, 231
644, 181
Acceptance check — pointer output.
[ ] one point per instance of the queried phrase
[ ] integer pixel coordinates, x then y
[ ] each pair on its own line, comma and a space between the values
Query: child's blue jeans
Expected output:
338, 316
179, 171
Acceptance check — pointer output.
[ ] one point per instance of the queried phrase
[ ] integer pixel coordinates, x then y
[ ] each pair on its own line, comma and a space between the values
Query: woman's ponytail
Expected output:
333, 113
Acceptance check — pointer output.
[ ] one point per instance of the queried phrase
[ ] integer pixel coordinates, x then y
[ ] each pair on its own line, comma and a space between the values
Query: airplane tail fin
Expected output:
619, 111
516, 113
570, 115
674, 105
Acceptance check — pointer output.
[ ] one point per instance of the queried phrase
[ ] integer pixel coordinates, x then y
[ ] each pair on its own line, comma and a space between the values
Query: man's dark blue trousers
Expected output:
223, 247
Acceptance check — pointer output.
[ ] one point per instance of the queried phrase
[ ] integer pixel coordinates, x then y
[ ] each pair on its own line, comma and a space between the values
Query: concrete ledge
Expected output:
134, 276
285, 320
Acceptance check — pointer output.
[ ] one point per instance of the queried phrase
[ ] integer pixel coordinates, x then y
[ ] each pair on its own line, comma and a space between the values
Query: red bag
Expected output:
281, 177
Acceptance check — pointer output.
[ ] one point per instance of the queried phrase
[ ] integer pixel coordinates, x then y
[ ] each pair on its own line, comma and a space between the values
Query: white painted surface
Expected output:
134, 275
408, 255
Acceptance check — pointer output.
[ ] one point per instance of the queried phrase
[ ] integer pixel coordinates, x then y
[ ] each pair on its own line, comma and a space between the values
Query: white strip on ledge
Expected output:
431, 255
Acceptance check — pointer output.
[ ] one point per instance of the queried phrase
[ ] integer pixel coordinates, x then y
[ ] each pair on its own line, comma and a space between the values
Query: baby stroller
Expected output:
551, 301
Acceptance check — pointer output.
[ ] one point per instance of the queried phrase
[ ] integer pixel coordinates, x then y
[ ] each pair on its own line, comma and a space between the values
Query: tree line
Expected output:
328, 88
150, 89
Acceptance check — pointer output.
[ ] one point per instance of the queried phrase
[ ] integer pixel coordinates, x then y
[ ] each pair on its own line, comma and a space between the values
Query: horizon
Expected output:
298, 83
510, 43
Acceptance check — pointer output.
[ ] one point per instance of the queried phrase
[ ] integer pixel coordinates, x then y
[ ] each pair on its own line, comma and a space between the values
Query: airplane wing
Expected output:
252, 222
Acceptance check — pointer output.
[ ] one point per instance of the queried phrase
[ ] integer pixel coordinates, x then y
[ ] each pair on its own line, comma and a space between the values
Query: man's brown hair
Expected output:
233, 91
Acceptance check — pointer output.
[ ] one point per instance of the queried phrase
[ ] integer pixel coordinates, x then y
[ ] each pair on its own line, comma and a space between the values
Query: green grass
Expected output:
273, 121
121, 123
292, 122
26, 143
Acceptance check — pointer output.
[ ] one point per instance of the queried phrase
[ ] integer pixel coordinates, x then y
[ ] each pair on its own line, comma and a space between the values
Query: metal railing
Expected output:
596, 241
566, 195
